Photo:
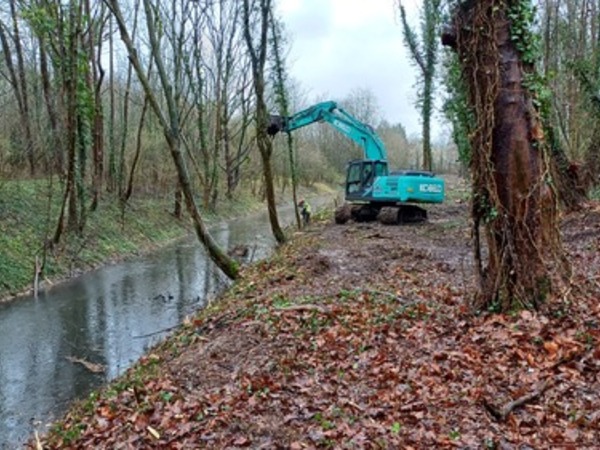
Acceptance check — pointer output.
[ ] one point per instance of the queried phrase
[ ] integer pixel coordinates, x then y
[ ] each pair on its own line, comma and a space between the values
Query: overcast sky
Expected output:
341, 45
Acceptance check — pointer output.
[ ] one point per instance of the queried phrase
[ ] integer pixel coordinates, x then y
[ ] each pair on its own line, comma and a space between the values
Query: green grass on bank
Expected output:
28, 216
29, 211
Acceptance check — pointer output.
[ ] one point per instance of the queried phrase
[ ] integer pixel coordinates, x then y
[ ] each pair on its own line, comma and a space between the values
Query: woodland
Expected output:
106, 101
106, 104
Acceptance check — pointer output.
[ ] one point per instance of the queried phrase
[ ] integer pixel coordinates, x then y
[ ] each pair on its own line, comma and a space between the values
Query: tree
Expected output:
513, 197
170, 121
94, 79
256, 17
62, 26
425, 57
18, 80
228, 85
281, 95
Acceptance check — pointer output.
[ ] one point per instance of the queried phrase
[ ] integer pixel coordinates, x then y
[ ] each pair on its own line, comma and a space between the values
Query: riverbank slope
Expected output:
361, 336
28, 214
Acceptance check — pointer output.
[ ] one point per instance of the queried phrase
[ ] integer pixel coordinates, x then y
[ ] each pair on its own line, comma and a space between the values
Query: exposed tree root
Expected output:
501, 414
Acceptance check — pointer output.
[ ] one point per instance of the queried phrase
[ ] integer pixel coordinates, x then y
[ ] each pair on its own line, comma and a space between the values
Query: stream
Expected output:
109, 316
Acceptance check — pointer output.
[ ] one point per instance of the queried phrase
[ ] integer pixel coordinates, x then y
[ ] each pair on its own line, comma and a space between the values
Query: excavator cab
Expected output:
360, 176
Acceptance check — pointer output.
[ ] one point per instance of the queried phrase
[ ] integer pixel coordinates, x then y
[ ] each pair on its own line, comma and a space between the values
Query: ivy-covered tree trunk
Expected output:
512, 198
424, 54
281, 96
94, 79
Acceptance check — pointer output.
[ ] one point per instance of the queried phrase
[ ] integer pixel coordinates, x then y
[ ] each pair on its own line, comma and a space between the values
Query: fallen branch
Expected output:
92, 367
502, 413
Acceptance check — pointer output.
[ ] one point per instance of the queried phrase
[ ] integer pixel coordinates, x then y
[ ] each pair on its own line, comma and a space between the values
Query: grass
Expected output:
28, 216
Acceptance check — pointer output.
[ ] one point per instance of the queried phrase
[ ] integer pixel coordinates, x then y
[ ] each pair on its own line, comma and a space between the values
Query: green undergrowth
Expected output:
28, 216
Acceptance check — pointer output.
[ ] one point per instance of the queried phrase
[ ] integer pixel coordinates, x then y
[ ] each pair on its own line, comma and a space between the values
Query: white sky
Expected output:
341, 45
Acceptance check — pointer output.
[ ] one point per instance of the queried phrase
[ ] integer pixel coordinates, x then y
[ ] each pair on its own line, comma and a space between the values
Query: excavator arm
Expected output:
331, 113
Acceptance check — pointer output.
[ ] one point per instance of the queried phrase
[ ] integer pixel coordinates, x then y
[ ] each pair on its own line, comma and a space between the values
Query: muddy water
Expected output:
107, 317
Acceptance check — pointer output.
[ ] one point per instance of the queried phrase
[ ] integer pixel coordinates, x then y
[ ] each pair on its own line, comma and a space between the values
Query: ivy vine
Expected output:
522, 15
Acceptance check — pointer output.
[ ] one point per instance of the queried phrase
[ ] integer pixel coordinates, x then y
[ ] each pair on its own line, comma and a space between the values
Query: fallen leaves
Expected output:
551, 348
340, 341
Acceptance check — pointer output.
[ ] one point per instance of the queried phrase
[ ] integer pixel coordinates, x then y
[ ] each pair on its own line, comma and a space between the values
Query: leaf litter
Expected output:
362, 336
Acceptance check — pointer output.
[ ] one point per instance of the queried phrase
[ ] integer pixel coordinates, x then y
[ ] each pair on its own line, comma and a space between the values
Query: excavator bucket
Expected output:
276, 124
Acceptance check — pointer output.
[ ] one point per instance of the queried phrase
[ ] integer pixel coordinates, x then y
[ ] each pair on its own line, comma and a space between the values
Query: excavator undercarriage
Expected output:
387, 215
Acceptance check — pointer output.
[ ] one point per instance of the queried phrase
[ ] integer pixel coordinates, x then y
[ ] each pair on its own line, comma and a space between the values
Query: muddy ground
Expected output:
363, 336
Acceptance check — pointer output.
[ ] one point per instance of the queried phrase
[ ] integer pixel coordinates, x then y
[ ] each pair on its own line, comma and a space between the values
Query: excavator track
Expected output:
403, 214
343, 214
388, 215
364, 213
357, 213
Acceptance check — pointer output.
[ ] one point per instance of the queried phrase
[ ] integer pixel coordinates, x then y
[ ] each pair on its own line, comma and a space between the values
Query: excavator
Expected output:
371, 191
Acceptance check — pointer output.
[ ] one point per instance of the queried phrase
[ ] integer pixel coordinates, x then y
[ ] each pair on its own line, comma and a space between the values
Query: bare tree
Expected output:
170, 121
256, 30
424, 54
18, 79
227, 68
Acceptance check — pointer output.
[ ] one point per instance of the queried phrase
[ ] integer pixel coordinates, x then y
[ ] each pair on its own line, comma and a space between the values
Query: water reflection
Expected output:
109, 317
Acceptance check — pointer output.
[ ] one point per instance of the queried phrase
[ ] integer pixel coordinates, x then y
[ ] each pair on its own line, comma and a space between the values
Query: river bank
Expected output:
87, 331
112, 234
361, 336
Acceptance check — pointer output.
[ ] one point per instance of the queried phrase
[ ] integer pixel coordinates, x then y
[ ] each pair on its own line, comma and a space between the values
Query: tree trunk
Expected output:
178, 210
264, 143
171, 129
511, 196
94, 79
138, 150
24, 91
427, 110
112, 157
56, 152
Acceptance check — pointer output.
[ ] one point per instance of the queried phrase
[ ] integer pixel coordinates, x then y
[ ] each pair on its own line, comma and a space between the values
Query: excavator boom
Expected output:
330, 112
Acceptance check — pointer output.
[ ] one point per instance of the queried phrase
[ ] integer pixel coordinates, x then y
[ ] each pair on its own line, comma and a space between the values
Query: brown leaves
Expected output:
342, 342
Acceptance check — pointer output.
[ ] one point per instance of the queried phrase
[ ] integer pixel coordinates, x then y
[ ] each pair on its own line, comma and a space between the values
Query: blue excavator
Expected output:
371, 191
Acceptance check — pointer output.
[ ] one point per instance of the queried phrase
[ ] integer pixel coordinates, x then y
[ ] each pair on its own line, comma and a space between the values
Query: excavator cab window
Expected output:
381, 169
361, 175
367, 174
353, 178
